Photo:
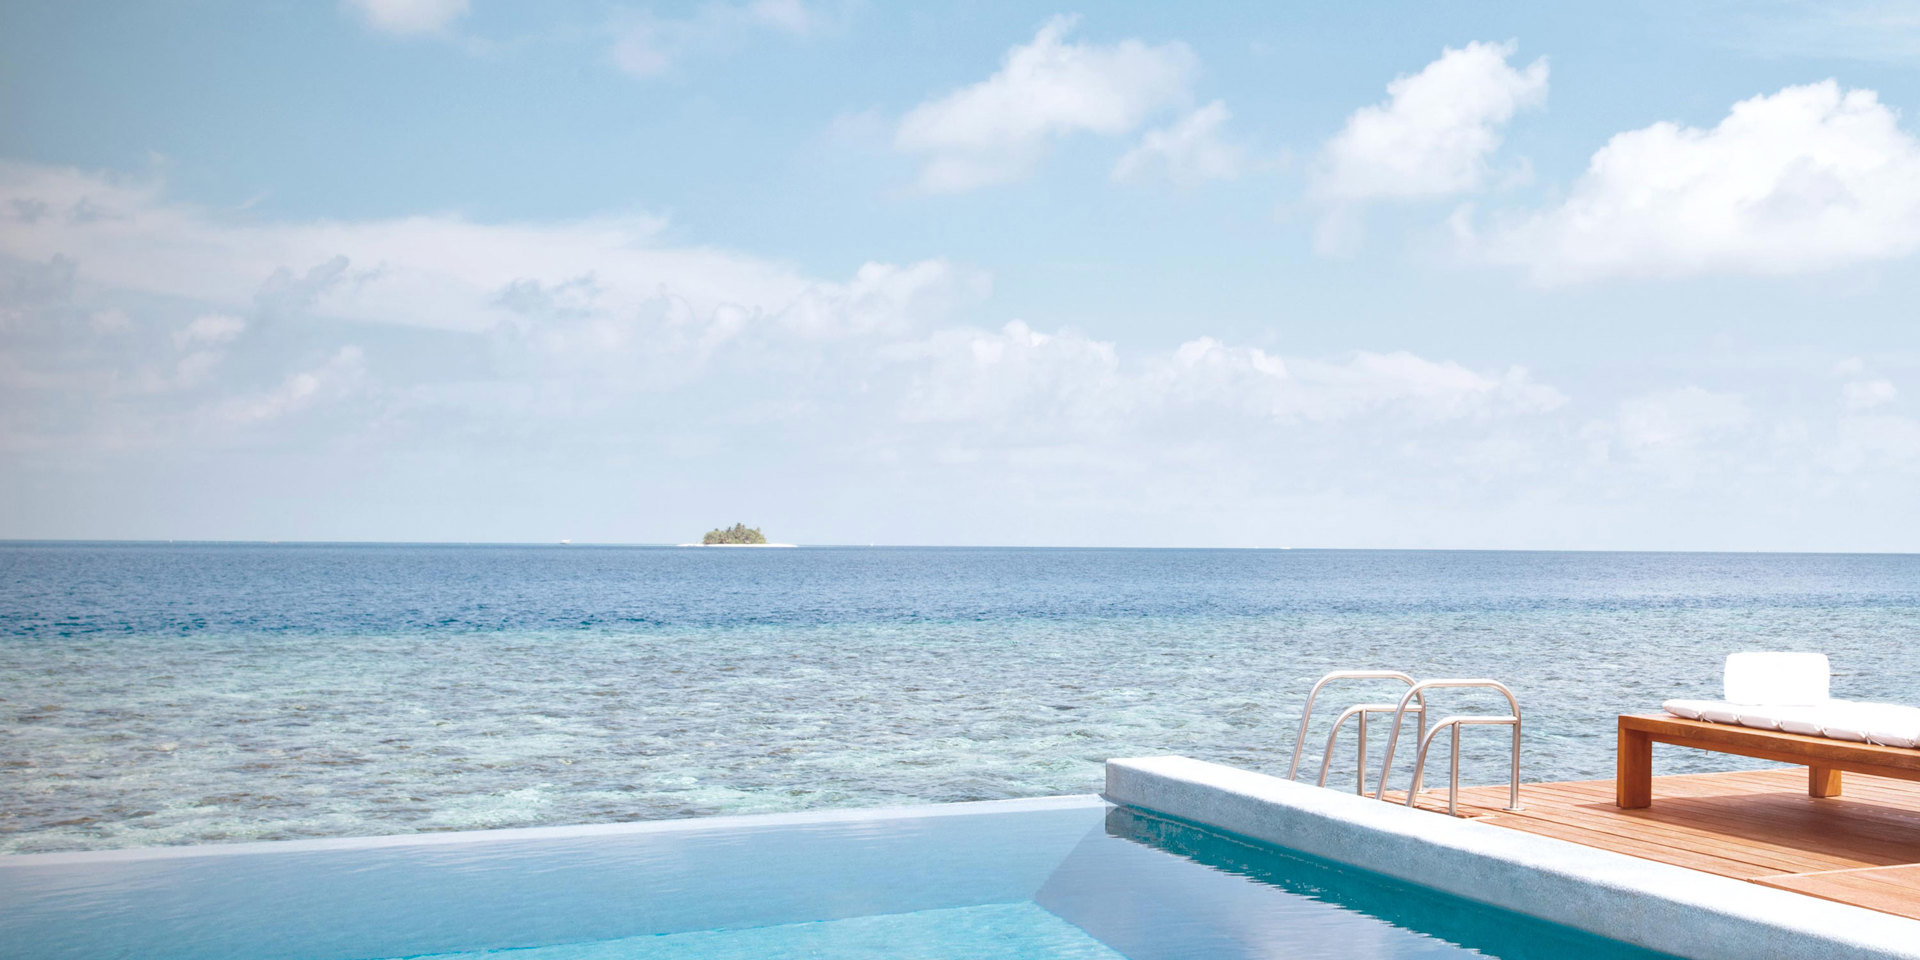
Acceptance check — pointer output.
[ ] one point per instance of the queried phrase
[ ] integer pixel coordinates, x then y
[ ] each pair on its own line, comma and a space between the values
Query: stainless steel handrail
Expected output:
1306, 716
1454, 724
1365, 711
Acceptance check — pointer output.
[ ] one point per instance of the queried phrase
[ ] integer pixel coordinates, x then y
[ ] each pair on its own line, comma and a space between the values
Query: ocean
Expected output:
167, 694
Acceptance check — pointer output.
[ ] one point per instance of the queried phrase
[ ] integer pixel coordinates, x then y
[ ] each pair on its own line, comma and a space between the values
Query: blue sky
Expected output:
1522, 275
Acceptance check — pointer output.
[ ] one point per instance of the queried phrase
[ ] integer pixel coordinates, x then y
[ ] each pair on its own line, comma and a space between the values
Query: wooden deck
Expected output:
1862, 847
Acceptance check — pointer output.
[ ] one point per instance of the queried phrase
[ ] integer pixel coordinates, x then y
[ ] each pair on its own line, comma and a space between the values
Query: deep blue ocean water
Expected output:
157, 693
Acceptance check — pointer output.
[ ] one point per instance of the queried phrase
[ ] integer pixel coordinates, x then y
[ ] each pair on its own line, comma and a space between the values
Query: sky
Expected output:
1519, 276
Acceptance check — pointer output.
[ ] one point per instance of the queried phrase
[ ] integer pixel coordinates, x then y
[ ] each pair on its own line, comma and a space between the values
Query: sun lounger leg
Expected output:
1823, 782
1633, 769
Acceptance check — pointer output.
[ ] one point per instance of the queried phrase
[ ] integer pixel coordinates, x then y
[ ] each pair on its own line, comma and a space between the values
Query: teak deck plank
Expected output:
1760, 854
1861, 847
1629, 834
1778, 826
1661, 841
1889, 889
1648, 849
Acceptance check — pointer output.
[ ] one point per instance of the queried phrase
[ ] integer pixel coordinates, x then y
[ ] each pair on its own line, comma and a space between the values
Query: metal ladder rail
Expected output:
1363, 710
1366, 712
1454, 724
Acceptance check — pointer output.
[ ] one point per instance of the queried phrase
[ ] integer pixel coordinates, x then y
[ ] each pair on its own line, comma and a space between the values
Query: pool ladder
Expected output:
1413, 701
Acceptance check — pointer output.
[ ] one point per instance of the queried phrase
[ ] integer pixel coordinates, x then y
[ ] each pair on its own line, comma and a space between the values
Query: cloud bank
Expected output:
143, 334
611, 305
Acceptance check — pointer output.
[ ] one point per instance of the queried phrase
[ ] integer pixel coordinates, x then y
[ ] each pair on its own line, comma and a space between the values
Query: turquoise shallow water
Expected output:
185, 694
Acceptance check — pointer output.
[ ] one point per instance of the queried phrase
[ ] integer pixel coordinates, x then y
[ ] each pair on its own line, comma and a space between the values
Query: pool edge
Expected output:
1654, 905
622, 828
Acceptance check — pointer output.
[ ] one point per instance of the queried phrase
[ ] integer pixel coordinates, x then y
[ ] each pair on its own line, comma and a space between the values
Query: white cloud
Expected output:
1882, 30
192, 369
882, 298
1808, 179
1425, 389
202, 344
998, 129
792, 16
1437, 130
211, 328
1022, 379
560, 316
138, 333
408, 16
640, 49
1867, 394
647, 46
1677, 418
110, 321
1868, 441
1016, 376
1187, 151
336, 377
1312, 389
617, 281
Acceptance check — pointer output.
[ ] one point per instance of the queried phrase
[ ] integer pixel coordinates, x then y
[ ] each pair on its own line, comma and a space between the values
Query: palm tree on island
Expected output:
738, 534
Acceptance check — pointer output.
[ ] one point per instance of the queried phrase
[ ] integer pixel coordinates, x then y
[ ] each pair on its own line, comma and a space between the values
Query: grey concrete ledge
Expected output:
626, 828
1654, 905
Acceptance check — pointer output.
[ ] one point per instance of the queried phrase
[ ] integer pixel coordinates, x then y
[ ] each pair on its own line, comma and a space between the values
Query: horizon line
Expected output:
80, 541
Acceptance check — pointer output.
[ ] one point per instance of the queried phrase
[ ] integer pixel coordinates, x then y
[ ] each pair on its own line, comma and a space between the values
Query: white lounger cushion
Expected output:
1774, 678
1860, 721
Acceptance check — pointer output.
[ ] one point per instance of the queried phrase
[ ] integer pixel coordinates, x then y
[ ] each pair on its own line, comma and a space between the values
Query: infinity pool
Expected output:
1070, 877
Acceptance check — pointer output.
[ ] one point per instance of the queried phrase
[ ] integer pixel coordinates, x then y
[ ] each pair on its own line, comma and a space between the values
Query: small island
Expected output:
738, 535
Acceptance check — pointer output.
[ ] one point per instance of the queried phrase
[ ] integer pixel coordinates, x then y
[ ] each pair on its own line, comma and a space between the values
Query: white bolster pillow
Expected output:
1778, 678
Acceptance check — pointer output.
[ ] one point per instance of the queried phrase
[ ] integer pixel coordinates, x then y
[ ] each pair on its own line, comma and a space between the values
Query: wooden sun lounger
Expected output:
1823, 757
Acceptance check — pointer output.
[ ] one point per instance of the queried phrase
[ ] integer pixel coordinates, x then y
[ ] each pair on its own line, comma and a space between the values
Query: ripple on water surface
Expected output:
183, 694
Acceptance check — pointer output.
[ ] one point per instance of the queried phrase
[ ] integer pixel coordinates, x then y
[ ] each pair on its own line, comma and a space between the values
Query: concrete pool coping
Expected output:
1654, 905
510, 834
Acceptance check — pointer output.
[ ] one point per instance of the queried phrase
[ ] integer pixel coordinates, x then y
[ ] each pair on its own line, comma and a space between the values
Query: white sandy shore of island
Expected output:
738, 545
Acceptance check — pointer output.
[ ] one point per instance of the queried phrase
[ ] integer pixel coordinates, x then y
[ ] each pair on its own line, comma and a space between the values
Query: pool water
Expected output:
1069, 878
991, 931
